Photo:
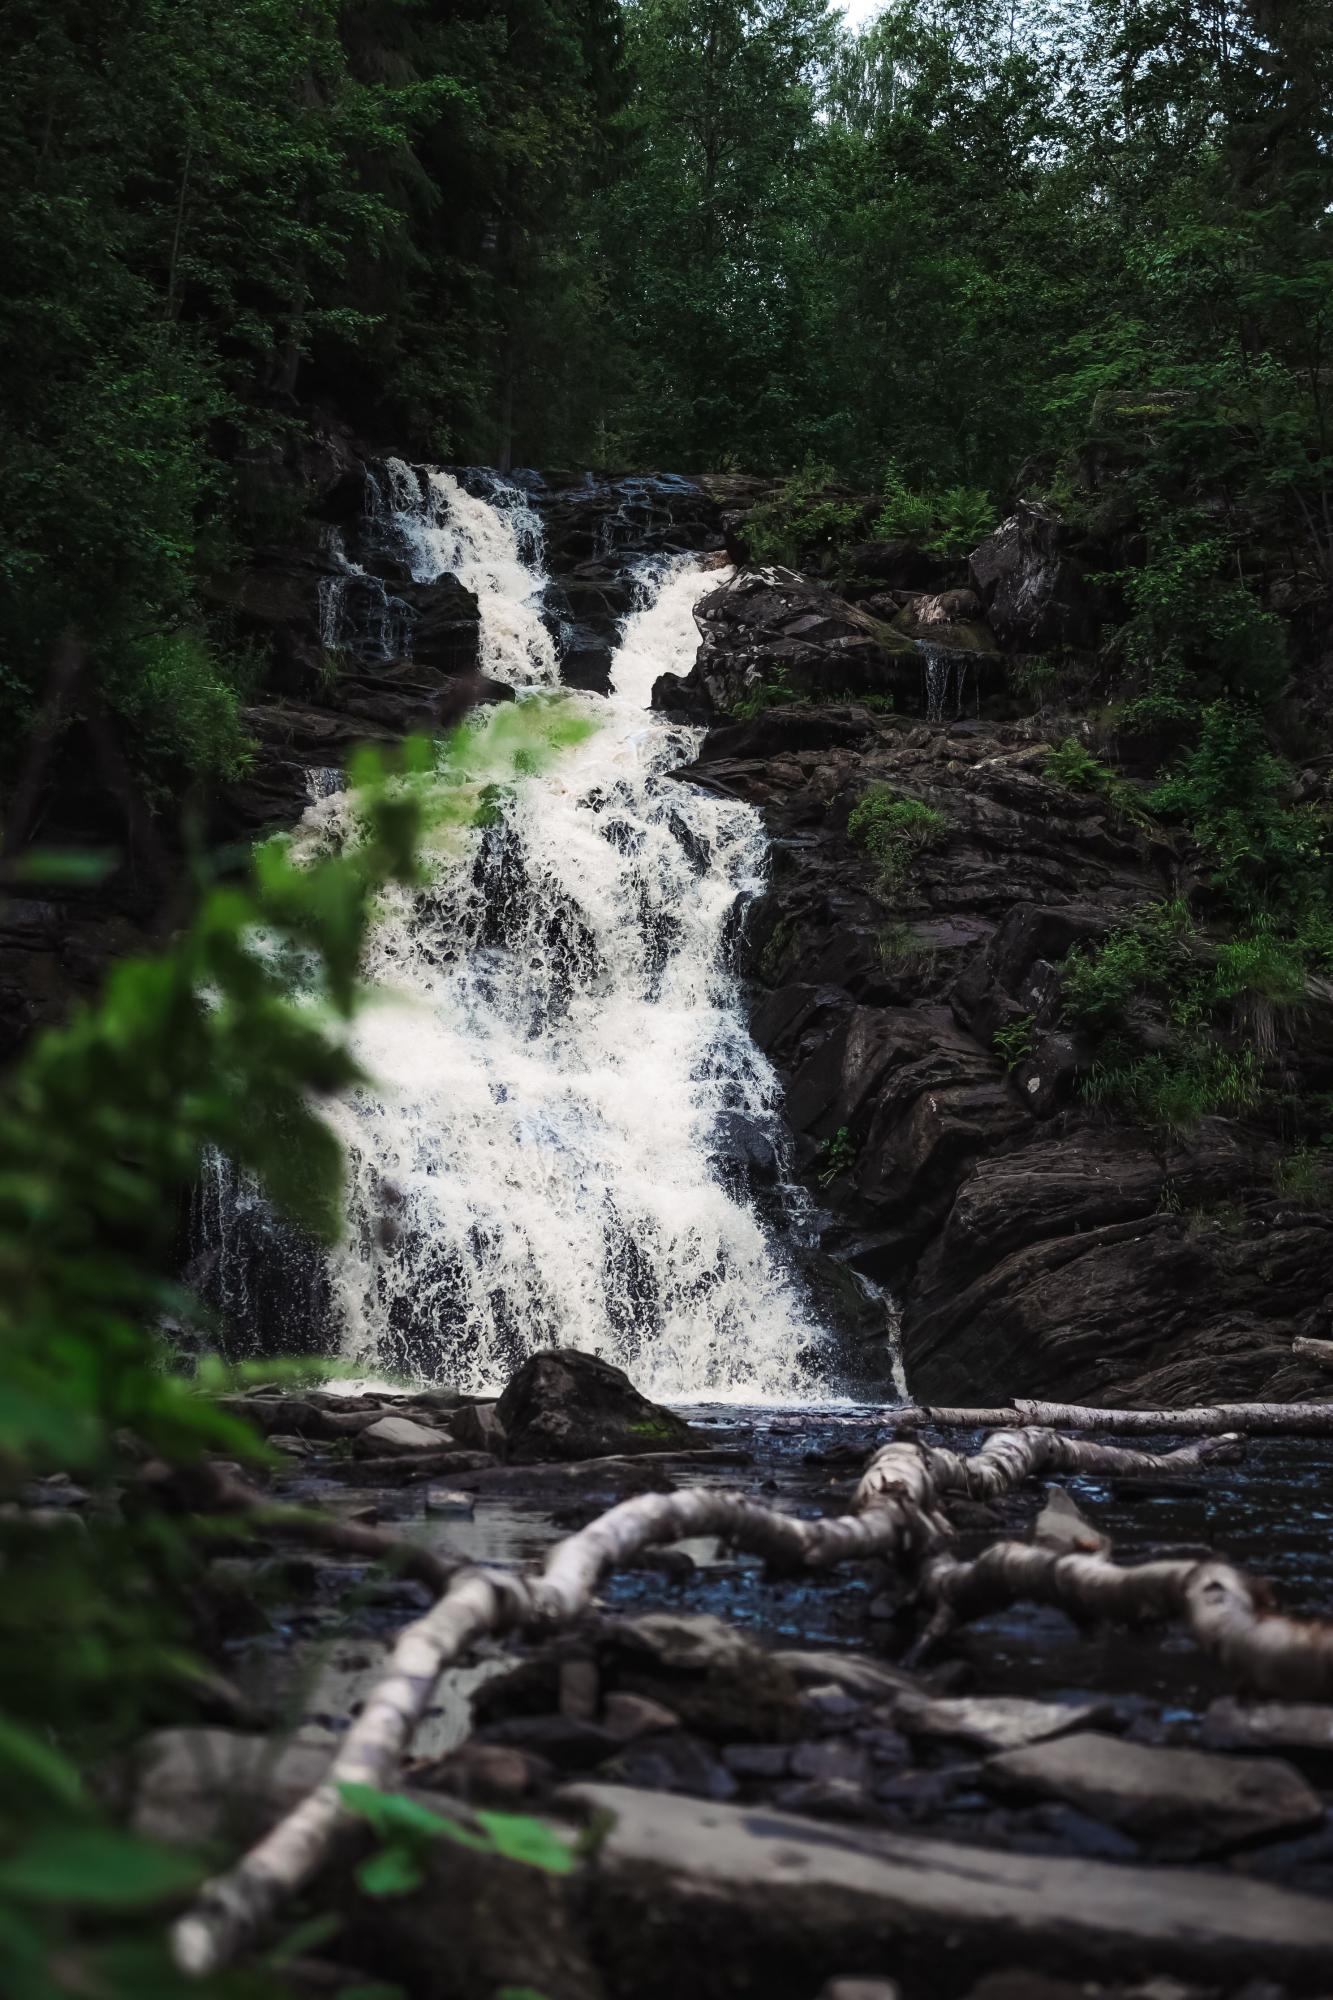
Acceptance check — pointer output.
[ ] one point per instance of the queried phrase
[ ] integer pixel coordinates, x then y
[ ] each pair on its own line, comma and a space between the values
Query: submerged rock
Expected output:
563, 1404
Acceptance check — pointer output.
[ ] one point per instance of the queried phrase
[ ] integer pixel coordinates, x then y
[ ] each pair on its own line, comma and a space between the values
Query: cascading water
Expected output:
945, 671
558, 1050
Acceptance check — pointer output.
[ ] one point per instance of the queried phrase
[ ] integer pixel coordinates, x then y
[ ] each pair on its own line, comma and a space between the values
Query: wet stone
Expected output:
1180, 1803
758, 1760
1000, 1722
399, 1434
442, 1500
1300, 1729
629, 1716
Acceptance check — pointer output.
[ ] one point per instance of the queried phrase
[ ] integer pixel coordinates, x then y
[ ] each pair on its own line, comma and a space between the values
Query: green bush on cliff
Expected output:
893, 830
808, 516
947, 522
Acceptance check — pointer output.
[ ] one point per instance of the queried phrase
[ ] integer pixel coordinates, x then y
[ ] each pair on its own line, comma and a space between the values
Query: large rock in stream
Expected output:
563, 1404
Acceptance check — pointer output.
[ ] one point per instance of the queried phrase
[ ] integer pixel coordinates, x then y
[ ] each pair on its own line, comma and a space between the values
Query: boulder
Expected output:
772, 627
392, 1435
747, 1899
563, 1404
1034, 590
1182, 1803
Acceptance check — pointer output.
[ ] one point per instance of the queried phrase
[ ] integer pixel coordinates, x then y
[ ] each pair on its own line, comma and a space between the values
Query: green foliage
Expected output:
950, 522
1176, 1089
408, 1830
807, 517
1013, 1042
763, 695
1072, 765
900, 948
102, 1128
837, 1156
893, 830
1306, 1176
1210, 1002
1231, 791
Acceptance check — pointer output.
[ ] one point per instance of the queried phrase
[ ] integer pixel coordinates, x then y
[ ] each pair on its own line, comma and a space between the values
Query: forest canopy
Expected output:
981, 245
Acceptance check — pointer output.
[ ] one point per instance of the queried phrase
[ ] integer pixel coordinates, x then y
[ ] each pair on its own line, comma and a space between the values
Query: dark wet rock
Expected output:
744, 1148
566, 1405
478, 1426
746, 1898
564, 1741
1036, 1247
859, 1989
714, 1677
774, 628
1033, 587
1299, 1729
758, 1760
673, 1763
1183, 1803
630, 1716
993, 1722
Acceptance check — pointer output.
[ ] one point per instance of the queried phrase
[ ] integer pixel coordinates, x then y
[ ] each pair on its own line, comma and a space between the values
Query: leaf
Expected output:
96, 1868
24, 1757
391, 1872
315, 1931
521, 1838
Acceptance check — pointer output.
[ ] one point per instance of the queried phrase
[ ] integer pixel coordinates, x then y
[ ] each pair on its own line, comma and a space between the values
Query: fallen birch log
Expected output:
1244, 1419
1225, 1610
897, 1510
1318, 1351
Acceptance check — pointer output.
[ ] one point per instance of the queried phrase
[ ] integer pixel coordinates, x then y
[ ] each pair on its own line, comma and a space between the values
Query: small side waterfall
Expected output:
565, 1094
945, 669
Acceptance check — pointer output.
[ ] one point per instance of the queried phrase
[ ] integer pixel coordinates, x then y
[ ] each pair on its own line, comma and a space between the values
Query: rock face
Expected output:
596, 529
1034, 589
771, 628
1037, 1247
565, 1405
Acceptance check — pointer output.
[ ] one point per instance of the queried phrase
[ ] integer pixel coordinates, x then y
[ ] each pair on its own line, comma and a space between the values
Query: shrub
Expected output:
837, 1157
1147, 955
1307, 1176
948, 523
1013, 1042
893, 829
1175, 1088
806, 514
1229, 790
764, 695
185, 702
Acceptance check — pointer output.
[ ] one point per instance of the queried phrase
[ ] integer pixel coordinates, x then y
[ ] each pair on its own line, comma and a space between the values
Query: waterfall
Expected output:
945, 672
547, 1150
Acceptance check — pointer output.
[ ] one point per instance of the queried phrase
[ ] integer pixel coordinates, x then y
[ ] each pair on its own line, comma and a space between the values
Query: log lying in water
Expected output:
1226, 1610
897, 1511
1244, 1419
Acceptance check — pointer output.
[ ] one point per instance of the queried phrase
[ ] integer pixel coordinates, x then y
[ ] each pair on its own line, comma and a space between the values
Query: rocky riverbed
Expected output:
769, 1797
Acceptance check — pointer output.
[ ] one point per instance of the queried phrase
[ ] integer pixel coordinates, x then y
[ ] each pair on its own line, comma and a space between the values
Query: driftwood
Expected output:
1243, 1419
1225, 1610
897, 1510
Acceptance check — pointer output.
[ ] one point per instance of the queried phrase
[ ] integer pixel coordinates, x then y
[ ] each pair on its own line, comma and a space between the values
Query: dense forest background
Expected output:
983, 245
